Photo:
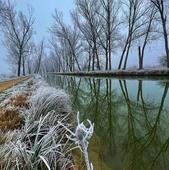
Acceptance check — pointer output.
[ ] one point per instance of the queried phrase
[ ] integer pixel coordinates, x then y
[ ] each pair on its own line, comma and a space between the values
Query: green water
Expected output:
131, 120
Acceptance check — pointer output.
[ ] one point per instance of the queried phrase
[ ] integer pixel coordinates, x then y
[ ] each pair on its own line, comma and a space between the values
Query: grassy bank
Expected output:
30, 136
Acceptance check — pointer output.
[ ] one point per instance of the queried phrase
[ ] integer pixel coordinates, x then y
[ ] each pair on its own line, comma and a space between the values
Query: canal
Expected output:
131, 120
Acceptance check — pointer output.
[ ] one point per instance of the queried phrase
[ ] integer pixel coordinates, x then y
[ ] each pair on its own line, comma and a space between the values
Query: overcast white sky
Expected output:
43, 10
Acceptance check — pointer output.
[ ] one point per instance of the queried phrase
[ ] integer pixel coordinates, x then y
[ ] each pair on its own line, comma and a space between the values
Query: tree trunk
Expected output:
127, 54
78, 65
89, 64
122, 55
98, 62
23, 65
29, 67
109, 34
97, 58
93, 61
19, 64
106, 60
166, 40
140, 58
110, 58
39, 64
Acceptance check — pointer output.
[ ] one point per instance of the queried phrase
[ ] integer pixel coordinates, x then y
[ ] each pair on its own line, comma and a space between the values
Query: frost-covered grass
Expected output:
48, 99
36, 121
40, 143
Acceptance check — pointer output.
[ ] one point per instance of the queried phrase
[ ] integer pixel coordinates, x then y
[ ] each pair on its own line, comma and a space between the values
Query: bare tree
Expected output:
148, 33
58, 55
18, 30
161, 6
134, 11
109, 22
39, 56
86, 19
70, 36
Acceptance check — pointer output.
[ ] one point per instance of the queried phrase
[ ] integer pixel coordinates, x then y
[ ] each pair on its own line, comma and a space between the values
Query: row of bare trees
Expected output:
17, 29
103, 29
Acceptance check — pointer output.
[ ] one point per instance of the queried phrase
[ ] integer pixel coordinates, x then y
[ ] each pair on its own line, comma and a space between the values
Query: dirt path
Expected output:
10, 83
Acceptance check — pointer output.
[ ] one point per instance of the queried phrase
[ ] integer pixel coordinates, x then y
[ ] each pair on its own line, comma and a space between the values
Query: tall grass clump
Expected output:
48, 99
37, 147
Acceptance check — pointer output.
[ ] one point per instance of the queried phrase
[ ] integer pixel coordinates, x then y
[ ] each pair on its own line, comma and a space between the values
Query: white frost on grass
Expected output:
40, 142
46, 99
36, 146
38, 82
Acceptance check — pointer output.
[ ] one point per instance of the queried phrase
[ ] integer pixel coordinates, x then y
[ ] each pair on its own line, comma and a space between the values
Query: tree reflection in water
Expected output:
131, 131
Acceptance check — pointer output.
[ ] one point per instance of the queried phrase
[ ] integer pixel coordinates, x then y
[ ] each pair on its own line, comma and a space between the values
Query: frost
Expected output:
46, 99
41, 141
81, 137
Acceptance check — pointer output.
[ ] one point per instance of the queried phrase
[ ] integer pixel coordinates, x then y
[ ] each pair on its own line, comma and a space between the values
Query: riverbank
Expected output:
119, 73
30, 135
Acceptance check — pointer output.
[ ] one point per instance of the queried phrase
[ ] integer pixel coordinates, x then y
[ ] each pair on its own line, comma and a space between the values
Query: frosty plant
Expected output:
81, 138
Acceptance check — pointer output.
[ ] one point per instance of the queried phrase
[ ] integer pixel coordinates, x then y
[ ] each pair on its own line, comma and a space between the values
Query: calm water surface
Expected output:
131, 120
